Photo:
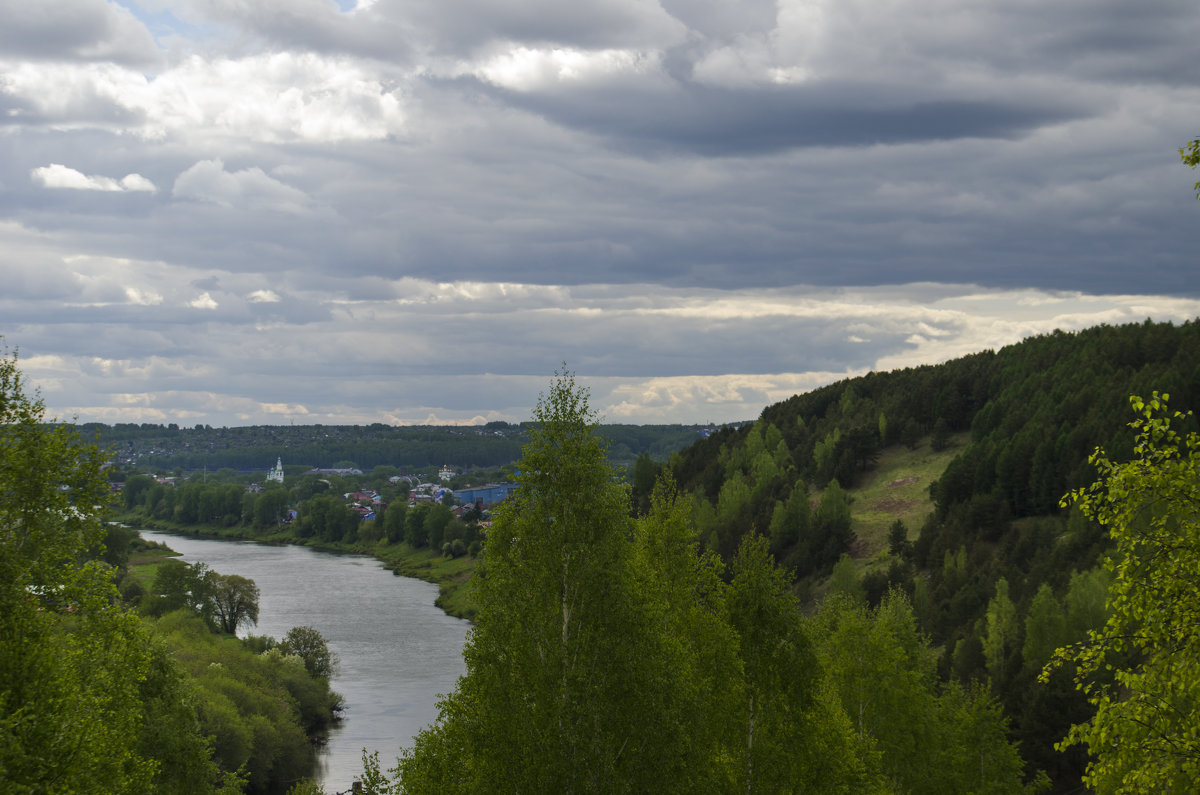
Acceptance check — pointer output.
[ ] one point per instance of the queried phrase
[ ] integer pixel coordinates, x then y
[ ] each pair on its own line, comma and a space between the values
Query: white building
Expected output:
445, 473
276, 474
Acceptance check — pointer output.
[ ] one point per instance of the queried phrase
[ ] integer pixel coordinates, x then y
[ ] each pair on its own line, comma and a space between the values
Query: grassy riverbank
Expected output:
144, 561
451, 575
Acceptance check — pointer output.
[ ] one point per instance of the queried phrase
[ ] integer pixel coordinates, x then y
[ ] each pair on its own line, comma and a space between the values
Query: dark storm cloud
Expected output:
718, 121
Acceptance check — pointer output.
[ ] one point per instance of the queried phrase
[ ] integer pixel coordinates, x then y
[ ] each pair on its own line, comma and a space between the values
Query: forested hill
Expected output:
999, 575
1034, 412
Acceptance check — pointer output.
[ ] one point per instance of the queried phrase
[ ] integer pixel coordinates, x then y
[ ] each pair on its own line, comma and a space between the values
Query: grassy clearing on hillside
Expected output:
897, 488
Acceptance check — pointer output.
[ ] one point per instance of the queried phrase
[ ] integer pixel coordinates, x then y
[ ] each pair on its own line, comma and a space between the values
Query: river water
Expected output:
397, 651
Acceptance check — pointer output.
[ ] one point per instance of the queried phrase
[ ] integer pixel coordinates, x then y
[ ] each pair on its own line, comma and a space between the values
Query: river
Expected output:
397, 651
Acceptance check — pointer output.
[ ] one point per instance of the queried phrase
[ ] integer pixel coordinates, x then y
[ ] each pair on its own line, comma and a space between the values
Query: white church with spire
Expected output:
276, 474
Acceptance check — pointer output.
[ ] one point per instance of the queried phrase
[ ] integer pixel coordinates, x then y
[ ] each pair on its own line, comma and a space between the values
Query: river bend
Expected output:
397, 651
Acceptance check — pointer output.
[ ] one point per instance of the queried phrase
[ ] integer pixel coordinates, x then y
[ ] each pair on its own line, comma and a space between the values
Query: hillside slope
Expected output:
972, 456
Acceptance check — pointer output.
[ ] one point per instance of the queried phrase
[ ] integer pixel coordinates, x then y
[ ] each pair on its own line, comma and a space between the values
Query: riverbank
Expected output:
396, 651
451, 575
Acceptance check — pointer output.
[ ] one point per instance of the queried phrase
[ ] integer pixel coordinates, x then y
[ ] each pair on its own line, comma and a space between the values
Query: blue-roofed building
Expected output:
488, 495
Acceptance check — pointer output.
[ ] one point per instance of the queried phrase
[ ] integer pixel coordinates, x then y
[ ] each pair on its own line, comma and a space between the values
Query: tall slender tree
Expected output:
563, 672
795, 734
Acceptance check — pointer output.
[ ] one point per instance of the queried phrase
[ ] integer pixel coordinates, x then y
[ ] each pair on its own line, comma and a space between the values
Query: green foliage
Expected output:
685, 597
270, 507
328, 518
825, 454
259, 708
394, 521
224, 602
611, 655
309, 645
1145, 735
791, 520
135, 490
645, 475
415, 533
88, 703
437, 519
898, 543
941, 435
844, 581
1001, 634
1086, 602
928, 737
377, 448
374, 781
557, 688
1045, 628
1190, 155
781, 710
234, 601
182, 586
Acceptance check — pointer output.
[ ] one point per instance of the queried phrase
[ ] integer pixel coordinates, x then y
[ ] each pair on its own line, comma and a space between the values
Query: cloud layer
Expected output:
405, 211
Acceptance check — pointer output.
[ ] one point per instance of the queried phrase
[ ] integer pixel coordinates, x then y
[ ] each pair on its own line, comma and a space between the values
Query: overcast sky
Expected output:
414, 211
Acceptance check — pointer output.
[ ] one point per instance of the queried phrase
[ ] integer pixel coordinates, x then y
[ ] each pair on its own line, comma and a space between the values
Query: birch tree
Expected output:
564, 673
1145, 736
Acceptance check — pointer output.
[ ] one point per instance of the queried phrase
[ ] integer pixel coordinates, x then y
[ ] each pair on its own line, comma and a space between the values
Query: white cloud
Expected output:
421, 360
698, 399
526, 68
276, 97
208, 181
137, 182
289, 409
203, 301
57, 175
143, 297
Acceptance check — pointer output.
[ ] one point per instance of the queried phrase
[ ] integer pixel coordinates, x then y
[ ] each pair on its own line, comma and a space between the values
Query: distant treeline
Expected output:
255, 447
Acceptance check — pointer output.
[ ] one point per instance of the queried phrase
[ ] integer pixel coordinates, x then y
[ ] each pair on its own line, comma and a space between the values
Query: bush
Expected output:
309, 645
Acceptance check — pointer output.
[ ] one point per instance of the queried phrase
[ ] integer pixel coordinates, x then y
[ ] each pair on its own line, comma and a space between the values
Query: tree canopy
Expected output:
611, 654
88, 702
1190, 154
555, 684
1141, 670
